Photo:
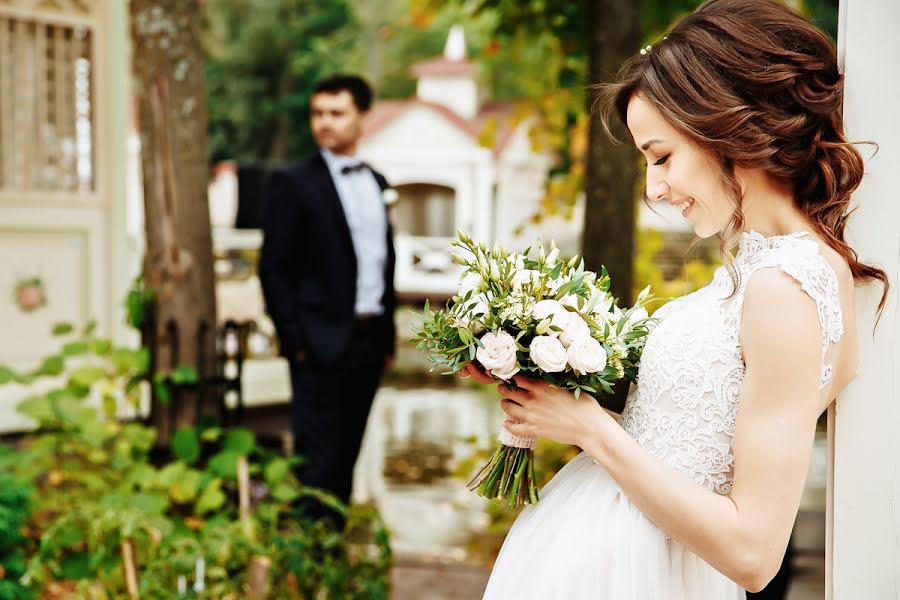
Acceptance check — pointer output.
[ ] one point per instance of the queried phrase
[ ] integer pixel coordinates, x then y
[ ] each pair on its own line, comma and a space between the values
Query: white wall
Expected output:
459, 94
866, 421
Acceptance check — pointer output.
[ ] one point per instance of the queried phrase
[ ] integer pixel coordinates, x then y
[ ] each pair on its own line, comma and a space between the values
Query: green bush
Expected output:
96, 488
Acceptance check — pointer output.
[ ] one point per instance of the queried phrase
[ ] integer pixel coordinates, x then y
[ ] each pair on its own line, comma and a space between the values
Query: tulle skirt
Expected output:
584, 540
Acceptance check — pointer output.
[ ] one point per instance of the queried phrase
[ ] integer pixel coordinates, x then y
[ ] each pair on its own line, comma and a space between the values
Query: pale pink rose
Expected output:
548, 353
586, 355
573, 329
498, 355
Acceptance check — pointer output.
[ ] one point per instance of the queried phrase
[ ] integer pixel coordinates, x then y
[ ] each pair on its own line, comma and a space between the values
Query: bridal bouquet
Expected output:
542, 316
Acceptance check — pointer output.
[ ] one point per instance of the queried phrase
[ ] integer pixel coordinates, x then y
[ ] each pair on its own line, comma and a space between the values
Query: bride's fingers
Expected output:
512, 409
519, 395
478, 374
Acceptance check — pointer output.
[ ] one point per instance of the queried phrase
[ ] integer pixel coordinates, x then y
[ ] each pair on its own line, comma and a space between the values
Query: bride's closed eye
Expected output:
662, 160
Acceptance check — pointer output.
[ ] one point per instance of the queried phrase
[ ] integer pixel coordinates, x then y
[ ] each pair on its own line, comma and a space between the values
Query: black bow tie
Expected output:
347, 169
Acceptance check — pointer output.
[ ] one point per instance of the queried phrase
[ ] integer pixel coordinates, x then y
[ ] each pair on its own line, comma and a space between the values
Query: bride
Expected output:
691, 493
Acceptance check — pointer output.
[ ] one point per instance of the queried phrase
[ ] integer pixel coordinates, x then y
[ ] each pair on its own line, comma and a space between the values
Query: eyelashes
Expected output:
662, 160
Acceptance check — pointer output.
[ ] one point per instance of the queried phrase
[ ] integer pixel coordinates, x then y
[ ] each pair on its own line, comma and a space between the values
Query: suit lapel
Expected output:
332, 199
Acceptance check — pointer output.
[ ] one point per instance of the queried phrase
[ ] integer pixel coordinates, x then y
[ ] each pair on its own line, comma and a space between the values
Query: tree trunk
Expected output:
612, 171
172, 114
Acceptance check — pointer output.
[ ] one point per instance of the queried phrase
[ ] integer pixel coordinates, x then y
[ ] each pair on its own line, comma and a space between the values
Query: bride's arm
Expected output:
743, 535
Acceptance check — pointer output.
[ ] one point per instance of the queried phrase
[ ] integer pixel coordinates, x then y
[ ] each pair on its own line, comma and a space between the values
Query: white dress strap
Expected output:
800, 258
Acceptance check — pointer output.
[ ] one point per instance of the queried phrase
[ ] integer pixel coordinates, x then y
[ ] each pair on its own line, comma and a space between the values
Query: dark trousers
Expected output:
329, 411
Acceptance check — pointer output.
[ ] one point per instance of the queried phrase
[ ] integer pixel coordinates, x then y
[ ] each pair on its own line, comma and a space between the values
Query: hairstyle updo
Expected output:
754, 84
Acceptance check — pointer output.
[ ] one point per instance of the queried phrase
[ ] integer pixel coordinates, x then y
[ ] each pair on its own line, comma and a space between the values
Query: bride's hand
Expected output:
474, 371
538, 408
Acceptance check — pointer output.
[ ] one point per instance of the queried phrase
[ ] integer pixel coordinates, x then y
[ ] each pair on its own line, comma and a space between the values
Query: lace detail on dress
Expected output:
684, 406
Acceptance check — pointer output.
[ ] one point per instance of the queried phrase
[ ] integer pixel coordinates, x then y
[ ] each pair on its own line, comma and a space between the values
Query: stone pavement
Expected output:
422, 579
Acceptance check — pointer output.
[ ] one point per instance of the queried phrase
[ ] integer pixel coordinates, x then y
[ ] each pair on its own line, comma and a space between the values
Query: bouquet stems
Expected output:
507, 476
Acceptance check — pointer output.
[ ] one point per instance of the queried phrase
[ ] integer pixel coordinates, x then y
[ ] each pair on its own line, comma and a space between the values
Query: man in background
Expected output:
326, 268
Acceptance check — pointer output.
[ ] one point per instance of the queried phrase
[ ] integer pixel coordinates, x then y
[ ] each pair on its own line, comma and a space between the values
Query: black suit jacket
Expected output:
307, 265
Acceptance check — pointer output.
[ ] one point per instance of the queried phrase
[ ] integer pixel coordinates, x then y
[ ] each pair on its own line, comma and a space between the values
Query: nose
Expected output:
657, 189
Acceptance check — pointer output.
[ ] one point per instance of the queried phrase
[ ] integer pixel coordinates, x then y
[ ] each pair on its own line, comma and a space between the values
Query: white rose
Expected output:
639, 315
472, 313
569, 300
548, 353
498, 354
470, 281
586, 355
573, 329
552, 309
524, 276
390, 196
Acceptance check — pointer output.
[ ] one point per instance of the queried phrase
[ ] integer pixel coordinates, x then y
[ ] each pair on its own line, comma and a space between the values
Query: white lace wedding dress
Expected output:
585, 540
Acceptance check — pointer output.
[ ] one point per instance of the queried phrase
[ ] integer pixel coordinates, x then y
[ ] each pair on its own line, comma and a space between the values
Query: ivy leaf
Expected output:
276, 470
284, 492
211, 499
240, 441
186, 445
87, 375
224, 464
74, 348
184, 375
62, 328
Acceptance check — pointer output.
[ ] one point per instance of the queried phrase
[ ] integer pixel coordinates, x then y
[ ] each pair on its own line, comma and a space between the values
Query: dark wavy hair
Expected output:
356, 85
754, 84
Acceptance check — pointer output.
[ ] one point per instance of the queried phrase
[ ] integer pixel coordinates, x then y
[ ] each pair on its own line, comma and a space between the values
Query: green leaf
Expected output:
186, 487
99, 347
224, 464
90, 327
211, 499
161, 388
6, 375
62, 328
51, 367
74, 348
186, 445
240, 441
184, 375
87, 375
284, 492
276, 470
76, 566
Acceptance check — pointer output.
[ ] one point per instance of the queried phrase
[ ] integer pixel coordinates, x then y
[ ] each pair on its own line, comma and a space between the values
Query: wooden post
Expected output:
129, 565
243, 477
258, 578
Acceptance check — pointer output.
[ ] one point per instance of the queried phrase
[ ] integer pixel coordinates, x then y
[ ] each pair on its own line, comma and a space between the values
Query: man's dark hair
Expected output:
357, 86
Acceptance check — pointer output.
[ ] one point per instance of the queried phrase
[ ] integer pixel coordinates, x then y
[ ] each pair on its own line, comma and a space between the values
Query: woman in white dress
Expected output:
691, 493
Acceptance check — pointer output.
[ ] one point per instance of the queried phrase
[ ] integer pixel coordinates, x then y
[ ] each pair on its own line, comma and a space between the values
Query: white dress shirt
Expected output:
363, 206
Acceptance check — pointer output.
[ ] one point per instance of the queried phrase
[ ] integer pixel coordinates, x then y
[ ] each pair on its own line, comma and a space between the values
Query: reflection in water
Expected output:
413, 442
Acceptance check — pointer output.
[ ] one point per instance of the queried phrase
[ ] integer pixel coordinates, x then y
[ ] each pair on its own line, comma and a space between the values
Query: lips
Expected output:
684, 205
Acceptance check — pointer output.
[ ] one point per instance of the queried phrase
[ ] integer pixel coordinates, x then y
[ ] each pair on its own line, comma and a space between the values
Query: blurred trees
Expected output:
262, 59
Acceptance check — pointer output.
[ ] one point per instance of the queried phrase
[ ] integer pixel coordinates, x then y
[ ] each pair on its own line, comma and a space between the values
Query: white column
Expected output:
863, 428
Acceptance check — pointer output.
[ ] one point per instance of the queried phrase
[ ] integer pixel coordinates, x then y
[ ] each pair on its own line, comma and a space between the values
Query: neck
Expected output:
349, 150
769, 207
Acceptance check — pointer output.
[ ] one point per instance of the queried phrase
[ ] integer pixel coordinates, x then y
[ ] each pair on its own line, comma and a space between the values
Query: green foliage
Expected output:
262, 59
96, 487
16, 498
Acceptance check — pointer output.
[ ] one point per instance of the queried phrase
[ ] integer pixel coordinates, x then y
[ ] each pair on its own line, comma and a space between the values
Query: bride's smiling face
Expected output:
678, 171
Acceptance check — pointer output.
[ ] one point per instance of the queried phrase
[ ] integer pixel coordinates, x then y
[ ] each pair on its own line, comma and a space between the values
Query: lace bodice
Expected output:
684, 406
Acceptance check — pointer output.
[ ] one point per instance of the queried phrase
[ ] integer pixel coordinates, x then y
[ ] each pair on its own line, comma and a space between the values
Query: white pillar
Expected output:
864, 553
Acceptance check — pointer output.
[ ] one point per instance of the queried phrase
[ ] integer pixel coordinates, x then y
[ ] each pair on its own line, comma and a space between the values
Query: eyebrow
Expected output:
647, 144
